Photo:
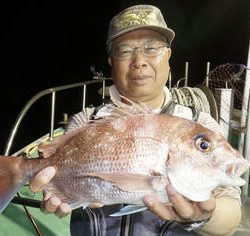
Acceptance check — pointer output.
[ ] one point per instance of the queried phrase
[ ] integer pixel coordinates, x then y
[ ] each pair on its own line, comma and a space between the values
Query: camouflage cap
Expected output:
139, 17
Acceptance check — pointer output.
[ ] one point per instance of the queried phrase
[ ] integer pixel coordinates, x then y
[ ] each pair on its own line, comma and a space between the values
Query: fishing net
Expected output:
229, 75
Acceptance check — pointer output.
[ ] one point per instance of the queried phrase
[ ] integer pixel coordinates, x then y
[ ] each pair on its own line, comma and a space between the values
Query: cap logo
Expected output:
134, 18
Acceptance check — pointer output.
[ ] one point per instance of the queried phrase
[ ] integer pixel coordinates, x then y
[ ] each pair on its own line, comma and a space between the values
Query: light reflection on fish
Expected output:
121, 160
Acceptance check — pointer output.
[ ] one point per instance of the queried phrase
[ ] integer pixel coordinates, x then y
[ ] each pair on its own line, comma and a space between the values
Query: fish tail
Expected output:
11, 179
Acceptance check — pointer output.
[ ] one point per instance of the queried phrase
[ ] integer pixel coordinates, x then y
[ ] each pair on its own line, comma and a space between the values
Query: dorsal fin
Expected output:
131, 107
49, 148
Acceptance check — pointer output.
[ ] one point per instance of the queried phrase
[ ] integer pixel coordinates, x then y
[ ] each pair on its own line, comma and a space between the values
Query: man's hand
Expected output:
179, 208
50, 203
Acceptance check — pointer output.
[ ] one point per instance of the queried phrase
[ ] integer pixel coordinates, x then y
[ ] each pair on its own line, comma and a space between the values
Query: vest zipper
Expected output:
125, 225
93, 219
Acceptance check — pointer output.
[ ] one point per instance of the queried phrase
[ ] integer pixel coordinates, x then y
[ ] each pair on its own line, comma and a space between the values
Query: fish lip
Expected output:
240, 181
235, 169
236, 181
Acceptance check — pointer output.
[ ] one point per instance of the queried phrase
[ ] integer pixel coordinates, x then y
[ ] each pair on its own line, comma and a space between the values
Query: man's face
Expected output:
138, 76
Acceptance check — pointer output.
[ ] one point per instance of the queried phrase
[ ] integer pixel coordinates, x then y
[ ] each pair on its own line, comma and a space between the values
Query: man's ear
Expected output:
169, 52
109, 61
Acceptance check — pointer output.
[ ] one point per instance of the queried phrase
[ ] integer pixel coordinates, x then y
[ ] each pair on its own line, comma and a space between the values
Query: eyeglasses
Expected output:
148, 49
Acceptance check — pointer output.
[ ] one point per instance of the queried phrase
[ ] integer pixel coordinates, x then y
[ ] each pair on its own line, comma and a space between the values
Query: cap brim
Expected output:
166, 32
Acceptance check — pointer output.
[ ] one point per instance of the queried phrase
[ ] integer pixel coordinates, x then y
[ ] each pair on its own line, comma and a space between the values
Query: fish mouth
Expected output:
234, 170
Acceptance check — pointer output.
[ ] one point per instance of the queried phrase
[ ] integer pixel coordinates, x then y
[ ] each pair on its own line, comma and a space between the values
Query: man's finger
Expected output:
208, 206
181, 205
38, 183
160, 209
63, 210
50, 205
96, 205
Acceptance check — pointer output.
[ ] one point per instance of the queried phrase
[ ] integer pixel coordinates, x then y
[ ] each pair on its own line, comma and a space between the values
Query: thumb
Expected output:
208, 205
39, 182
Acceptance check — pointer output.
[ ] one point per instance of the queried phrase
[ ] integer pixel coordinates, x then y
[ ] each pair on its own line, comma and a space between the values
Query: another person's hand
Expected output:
179, 208
50, 203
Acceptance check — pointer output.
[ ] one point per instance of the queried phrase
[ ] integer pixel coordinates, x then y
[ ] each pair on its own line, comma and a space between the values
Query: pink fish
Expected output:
121, 160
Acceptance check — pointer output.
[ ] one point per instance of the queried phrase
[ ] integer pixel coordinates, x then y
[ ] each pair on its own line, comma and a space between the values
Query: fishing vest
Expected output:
98, 222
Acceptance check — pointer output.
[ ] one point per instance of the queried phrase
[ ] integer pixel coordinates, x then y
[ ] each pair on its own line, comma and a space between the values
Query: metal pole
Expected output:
245, 120
246, 153
207, 74
186, 74
52, 118
103, 90
84, 97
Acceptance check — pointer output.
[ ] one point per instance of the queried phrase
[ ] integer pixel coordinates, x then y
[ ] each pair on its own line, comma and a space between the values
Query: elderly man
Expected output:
139, 50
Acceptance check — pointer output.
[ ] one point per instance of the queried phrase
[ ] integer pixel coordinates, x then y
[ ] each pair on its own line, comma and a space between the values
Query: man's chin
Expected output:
138, 96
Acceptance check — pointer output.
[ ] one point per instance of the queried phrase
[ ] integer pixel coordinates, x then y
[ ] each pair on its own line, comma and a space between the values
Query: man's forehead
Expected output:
139, 35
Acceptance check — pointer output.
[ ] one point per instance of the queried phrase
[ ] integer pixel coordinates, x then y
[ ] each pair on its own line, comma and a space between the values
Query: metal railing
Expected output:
98, 79
53, 93
83, 85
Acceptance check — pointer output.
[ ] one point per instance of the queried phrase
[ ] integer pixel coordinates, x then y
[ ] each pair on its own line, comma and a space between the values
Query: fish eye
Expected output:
203, 144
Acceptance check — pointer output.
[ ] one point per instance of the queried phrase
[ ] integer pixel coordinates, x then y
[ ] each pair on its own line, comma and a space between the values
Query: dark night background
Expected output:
47, 44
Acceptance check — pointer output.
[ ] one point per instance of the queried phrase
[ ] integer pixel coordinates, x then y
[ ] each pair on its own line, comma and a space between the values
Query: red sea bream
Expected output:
120, 160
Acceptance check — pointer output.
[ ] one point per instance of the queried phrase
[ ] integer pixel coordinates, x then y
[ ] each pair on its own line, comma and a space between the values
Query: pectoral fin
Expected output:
133, 182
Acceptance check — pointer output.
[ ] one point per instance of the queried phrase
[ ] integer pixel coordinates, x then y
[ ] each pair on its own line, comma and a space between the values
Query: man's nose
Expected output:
138, 59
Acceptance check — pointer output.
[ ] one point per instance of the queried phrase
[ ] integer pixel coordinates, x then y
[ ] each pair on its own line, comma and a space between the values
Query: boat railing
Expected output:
53, 93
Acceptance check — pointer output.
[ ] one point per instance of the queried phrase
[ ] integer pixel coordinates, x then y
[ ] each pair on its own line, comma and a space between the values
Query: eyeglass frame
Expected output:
140, 48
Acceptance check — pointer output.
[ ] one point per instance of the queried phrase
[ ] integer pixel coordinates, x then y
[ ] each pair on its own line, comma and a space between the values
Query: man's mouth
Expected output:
139, 79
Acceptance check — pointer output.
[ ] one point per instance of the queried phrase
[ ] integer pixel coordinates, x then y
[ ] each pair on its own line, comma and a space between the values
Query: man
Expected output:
139, 50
